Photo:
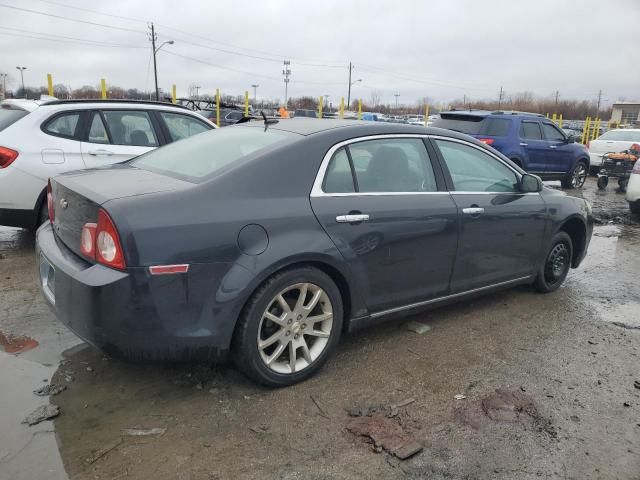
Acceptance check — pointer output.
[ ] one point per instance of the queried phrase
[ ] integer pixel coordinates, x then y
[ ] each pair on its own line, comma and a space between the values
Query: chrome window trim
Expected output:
316, 190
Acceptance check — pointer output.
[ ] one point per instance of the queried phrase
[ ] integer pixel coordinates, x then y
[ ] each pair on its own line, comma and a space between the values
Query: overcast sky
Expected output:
438, 49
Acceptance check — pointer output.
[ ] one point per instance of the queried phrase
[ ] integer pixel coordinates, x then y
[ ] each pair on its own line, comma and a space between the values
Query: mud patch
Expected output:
386, 429
506, 406
614, 216
16, 344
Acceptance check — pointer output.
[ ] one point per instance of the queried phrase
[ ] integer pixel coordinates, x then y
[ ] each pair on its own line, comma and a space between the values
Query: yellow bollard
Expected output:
173, 94
553, 118
246, 103
103, 87
585, 130
320, 107
218, 106
426, 114
359, 109
50, 84
596, 129
341, 107
547, 115
560, 121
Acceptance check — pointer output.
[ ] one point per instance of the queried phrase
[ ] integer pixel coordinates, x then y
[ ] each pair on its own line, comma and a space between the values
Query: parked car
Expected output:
613, 141
300, 112
41, 139
291, 234
633, 189
529, 140
228, 116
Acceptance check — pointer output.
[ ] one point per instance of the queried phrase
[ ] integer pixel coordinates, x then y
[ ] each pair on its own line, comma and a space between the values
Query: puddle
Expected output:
16, 344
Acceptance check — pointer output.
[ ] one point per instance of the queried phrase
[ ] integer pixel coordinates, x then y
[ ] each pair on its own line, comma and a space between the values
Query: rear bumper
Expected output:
130, 314
17, 218
596, 160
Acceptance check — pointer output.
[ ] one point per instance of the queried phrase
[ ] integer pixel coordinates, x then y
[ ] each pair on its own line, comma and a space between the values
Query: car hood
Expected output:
118, 181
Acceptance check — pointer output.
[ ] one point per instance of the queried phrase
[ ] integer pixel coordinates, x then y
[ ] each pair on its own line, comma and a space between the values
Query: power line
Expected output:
71, 39
51, 39
73, 7
96, 24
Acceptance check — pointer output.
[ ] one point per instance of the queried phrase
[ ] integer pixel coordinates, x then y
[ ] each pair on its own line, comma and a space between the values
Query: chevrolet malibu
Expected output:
269, 241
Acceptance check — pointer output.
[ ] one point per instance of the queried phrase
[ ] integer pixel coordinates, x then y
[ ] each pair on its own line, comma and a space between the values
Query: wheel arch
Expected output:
576, 228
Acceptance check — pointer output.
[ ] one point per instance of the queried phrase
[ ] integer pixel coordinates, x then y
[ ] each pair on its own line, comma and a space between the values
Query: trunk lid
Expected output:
608, 146
77, 196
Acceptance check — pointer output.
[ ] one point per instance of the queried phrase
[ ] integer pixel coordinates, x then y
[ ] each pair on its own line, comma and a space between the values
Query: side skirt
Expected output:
392, 313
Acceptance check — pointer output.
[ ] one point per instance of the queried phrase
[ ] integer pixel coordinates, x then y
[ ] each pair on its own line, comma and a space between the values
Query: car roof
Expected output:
486, 113
309, 126
119, 102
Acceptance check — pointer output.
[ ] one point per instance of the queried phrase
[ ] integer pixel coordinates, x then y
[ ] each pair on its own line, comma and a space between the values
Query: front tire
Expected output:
289, 327
556, 264
577, 177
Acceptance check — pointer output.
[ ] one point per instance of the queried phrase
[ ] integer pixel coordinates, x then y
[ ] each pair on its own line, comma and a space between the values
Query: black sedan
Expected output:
269, 240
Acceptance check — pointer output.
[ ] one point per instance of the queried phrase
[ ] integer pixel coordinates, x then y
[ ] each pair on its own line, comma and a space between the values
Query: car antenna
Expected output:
267, 121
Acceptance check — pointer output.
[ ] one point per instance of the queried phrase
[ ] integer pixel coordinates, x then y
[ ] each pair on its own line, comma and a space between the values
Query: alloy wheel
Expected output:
579, 176
295, 328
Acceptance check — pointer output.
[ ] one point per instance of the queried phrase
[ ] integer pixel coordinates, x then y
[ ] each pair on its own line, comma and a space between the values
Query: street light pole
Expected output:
22, 69
155, 51
4, 85
396, 95
255, 89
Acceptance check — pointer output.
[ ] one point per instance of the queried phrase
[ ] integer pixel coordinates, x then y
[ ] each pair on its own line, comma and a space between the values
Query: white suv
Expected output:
41, 139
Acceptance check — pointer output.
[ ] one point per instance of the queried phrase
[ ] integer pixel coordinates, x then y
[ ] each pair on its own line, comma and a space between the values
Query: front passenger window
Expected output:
473, 170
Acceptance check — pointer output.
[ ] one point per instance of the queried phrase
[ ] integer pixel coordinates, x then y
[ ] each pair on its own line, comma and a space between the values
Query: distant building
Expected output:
626, 113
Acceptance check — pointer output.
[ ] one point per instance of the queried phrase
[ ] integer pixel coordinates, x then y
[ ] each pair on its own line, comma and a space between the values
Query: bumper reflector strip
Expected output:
167, 269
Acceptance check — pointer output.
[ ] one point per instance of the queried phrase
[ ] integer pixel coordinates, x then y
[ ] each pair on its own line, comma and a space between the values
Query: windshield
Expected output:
204, 154
10, 114
622, 135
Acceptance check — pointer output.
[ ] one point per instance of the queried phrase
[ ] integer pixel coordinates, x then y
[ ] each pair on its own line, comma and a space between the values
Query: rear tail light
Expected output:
88, 240
487, 141
7, 156
50, 204
101, 242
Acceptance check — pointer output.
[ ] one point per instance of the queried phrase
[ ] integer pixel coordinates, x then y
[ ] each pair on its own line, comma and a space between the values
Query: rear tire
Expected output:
577, 177
622, 184
43, 215
635, 207
271, 333
556, 265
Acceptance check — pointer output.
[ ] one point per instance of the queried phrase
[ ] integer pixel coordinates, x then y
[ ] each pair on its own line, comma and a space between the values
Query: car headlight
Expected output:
589, 208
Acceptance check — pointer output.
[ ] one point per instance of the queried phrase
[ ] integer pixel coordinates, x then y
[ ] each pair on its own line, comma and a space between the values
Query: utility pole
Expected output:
349, 92
556, 96
286, 71
255, 89
197, 89
599, 100
22, 69
500, 97
153, 38
464, 100
4, 85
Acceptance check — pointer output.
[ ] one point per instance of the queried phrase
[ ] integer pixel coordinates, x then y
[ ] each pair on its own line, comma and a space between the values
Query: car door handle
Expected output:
473, 210
524, 144
552, 146
352, 218
100, 152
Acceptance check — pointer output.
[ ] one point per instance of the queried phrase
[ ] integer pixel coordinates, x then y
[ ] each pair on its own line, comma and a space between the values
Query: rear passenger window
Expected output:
530, 131
497, 127
393, 165
339, 178
97, 132
63, 125
130, 127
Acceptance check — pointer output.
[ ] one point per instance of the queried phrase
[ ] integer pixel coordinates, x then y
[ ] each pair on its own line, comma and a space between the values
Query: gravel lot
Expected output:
547, 386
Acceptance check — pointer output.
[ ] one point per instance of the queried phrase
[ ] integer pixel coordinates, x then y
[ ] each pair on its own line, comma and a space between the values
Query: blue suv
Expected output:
530, 140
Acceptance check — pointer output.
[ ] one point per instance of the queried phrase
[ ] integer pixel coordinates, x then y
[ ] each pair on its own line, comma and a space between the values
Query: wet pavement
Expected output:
514, 385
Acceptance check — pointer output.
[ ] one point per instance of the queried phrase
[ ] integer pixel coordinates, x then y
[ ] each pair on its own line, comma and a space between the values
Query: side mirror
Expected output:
530, 183
571, 139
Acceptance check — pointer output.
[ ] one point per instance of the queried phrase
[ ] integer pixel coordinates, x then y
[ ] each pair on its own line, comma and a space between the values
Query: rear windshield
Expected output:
10, 114
622, 135
202, 155
474, 124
